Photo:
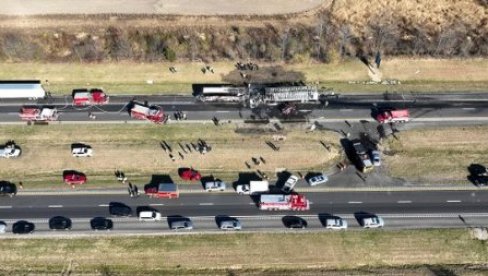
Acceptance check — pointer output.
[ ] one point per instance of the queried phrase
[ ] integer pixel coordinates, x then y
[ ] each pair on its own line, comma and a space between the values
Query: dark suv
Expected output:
7, 188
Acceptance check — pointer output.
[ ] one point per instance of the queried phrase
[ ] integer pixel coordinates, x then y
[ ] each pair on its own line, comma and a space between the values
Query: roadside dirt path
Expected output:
183, 7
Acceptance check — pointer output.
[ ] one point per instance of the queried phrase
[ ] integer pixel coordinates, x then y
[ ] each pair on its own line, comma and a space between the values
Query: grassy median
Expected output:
135, 149
236, 254
416, 75
439, 155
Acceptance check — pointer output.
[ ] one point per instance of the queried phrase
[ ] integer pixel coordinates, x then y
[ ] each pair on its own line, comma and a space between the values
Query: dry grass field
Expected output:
135, 149
434, 14
427, 75
242, 254
437, 155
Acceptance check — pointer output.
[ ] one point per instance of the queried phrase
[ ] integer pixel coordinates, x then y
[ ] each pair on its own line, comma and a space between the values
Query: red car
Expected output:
190, 174
74, 178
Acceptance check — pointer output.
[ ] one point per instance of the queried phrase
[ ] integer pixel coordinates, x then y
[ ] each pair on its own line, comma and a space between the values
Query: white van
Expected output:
149, 216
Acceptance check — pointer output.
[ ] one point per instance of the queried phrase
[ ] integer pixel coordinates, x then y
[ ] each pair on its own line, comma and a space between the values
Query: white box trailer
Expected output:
21, 90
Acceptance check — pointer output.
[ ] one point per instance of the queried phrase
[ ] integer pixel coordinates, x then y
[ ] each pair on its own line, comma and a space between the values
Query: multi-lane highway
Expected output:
424, 108
399, 209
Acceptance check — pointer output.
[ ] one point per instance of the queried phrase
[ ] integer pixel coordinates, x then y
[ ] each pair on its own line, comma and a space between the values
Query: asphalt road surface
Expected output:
423, 108
400, 210
183, 7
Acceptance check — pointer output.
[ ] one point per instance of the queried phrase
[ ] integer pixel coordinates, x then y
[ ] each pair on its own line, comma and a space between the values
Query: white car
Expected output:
3, 227
243, 189
372, 222
215, 186
149, 216
82, 152
376, 158
317, 180
335, 223
290, 184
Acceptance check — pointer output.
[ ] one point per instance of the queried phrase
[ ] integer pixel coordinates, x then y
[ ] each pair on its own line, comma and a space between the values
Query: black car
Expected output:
101, 223
60, 223
481, 180
23, 227
7, 188
119, 210
294, 222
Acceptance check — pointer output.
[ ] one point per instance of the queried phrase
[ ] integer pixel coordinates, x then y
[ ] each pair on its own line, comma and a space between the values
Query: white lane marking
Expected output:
156, 204
55, 206
454, 201
252, 203
103, 205
5, 207
222, 111
355, 202
210, 203
310, 202
345, 109
404, 201
469, 108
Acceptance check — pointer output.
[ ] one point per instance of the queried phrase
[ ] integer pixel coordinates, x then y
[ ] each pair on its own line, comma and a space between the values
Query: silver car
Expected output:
230, 224
373, 222
185, 224
317, 180
215, 186
335, 223
290, 184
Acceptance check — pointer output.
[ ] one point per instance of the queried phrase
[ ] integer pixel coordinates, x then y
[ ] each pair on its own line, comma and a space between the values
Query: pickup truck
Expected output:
10, 150
82, 151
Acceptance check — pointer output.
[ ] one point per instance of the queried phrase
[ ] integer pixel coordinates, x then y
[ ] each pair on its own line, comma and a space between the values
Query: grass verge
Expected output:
135, 149
416, 75
437, 155
259, 253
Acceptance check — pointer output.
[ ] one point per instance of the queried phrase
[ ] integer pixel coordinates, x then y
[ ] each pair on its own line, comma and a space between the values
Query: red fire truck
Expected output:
391, 116
38, 114
94, 96
280, 202
151, 113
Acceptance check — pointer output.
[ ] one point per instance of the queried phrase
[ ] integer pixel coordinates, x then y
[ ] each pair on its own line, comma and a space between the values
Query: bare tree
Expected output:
345, 38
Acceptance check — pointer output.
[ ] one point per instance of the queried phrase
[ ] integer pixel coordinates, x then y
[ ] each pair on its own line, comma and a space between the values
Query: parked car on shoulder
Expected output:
317, 180
7, 189
184, 223
60, 223
3, 227
215, 186
149, 216
230, 224
372, 222
289, 184
101, 223
294, 222
23, 227
335, 223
